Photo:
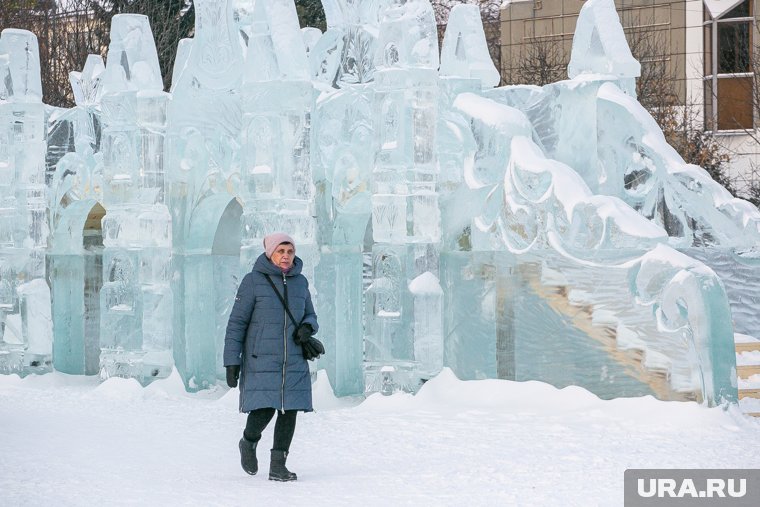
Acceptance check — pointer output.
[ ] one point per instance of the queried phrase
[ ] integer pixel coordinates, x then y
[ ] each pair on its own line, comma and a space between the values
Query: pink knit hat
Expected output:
274, 240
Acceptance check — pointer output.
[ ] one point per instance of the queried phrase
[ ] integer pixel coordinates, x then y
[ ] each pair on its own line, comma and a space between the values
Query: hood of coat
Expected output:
265, 266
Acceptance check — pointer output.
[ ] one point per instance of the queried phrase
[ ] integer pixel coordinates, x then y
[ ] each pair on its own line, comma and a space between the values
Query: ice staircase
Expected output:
748, 373
601, 319
585, 317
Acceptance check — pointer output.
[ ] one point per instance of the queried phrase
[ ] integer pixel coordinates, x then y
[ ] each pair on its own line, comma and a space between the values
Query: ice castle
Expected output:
517, 232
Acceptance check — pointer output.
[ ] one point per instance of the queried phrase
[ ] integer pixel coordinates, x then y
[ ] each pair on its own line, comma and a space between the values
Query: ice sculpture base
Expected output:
17, 361
145, 367
390, 377
11, 361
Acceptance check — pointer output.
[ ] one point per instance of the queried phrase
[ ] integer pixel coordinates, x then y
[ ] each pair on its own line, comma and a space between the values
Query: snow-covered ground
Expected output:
68, 440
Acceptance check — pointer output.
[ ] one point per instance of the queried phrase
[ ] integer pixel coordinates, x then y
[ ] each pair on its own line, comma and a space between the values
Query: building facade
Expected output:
700, 50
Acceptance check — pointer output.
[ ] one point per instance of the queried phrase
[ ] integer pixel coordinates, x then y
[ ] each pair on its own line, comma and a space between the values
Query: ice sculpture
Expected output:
517, 232
26, 338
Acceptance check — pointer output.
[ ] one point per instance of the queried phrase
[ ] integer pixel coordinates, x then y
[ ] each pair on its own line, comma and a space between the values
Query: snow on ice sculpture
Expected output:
23, 215
652, 177
545, 203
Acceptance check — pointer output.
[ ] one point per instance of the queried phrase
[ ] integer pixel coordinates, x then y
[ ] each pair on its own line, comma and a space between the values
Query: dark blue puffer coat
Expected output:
259, 337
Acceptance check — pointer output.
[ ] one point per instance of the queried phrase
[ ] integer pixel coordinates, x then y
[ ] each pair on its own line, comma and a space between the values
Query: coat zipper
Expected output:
285, 343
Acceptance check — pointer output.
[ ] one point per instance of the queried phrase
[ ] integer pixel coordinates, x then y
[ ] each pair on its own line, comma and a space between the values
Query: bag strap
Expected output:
282, 300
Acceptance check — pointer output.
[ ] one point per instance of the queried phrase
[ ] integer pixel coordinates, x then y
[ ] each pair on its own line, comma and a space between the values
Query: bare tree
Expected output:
754, 87
755, 69
655, 87
682, 126
311, 13
752, 192
542, 61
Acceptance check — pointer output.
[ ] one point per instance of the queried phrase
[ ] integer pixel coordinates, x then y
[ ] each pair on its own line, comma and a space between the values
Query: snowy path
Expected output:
71, 441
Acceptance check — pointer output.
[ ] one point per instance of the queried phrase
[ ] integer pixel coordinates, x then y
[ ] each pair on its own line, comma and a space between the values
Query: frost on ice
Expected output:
517, 232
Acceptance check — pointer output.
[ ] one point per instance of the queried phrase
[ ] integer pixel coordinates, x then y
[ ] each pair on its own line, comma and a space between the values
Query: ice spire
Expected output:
465, 51
132, 57
599, 44
88, 84
23, 65
275, 49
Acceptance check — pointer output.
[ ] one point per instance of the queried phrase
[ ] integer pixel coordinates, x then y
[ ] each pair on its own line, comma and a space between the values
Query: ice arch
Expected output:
76, 275
212, 253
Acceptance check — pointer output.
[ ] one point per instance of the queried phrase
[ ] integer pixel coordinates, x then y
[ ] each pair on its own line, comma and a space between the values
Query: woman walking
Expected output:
266, 346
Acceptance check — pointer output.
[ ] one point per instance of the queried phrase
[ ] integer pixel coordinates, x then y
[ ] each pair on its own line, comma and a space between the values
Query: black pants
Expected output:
284, 427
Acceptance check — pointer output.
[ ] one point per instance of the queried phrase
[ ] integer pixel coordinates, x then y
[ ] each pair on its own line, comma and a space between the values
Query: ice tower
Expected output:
204, 182
406, 226
135, 299
277, 97
75, 254
25, 311
342, 161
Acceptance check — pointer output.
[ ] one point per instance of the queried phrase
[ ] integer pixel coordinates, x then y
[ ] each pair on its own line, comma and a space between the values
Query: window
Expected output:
729, 79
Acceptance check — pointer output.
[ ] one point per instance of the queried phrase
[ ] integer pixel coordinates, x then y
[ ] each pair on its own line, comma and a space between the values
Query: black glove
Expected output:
303, 333
233, 373
312, 349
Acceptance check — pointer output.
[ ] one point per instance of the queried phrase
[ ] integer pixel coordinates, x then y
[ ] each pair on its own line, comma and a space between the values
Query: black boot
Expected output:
248, 456
277, 470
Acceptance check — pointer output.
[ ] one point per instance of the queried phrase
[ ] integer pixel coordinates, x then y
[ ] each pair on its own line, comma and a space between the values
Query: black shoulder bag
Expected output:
312, 348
